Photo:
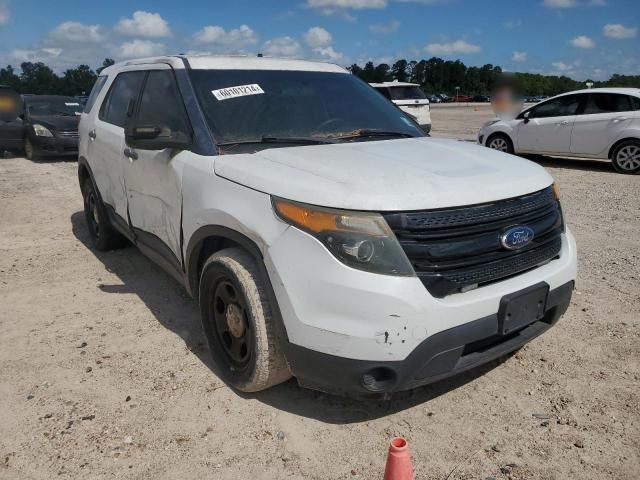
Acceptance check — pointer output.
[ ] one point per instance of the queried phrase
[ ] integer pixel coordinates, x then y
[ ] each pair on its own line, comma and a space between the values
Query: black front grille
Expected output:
456, 249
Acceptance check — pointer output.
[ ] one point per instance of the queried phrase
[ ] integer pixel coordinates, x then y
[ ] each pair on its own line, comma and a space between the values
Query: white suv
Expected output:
597, 123
409, 98
323, 235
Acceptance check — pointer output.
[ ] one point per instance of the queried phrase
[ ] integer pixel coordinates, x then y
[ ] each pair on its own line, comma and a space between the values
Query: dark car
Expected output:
482, 98
10, 122
51, 125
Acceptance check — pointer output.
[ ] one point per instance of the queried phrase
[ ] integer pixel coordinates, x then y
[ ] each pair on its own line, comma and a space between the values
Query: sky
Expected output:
578, 38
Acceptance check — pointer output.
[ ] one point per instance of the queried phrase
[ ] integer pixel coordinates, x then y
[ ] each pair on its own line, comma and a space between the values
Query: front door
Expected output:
153, 178
548, 129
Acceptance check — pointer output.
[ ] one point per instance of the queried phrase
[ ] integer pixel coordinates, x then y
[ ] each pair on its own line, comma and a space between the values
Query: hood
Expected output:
56, 122
404, 174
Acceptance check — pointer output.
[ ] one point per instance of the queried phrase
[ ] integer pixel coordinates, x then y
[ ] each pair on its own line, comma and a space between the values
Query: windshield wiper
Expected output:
368, 133
290, 140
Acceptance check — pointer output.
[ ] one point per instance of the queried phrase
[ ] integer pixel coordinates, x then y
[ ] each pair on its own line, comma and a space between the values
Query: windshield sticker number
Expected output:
72, 104
239, 91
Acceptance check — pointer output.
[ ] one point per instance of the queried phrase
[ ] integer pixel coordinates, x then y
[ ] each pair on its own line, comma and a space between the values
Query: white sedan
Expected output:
596, 123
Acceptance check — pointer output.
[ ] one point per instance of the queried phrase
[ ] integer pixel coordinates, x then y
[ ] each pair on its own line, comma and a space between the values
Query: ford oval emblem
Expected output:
516, 237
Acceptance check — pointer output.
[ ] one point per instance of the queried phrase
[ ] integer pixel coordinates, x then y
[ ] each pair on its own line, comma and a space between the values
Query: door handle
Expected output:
130, 154
563, 123
619, 119
92, 134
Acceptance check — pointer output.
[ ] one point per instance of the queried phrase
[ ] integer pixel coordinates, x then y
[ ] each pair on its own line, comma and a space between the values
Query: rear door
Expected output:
153, 178
602, 121
549, 127
106, 140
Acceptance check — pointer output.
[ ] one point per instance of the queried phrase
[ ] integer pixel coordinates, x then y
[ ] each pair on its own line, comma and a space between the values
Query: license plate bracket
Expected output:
521, 308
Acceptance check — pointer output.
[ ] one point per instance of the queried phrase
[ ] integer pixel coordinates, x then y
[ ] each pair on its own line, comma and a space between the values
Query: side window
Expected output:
635, 102
161, 103
125, 87
557, 107
607, 103
95, 91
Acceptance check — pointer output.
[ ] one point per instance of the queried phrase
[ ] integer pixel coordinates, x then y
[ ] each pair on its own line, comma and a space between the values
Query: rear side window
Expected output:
125, 87
161, 104
607, 103
95, 91
557, 107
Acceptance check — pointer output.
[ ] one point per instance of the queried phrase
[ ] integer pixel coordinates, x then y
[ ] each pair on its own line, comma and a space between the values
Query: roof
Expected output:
394, 84
624, 91
227, 62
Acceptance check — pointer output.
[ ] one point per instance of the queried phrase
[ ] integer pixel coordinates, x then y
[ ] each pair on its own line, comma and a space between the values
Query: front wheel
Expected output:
626, 157
29, 150
239, 323
500, 142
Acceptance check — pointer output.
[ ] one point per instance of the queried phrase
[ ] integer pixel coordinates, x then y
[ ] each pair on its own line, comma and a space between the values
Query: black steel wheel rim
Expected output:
231, 325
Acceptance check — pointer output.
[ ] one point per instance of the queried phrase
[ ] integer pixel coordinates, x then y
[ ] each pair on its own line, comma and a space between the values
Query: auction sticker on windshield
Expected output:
239, 91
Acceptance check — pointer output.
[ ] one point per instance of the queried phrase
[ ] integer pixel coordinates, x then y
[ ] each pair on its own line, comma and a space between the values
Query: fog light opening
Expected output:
379, 379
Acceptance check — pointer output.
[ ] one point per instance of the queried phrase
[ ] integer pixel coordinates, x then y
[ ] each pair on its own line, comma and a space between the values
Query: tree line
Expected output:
443, 76
434, 76
39, 79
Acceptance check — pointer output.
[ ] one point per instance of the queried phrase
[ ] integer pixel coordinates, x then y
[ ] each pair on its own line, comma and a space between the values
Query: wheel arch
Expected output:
499, 133
210, 239
618, 143
84, 172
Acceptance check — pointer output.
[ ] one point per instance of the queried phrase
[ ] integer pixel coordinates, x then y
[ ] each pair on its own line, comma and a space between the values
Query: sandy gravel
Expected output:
104, 373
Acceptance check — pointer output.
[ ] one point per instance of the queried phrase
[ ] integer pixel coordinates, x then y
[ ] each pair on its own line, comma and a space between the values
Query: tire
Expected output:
29, 151
626, 157
102, 234
500, 142
239, 324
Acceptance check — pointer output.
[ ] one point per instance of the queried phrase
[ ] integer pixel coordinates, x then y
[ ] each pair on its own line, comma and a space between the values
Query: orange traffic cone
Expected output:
398, 461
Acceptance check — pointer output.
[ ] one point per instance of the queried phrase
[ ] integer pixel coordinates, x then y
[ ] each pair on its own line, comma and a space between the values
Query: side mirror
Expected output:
526, 117
155, 137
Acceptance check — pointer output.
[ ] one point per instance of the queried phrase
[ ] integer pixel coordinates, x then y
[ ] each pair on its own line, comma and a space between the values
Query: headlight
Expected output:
41, 131
358, 239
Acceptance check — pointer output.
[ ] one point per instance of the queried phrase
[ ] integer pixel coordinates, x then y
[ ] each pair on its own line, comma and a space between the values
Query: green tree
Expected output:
399, 71
9, 78
107, 62
38, 79
78, 81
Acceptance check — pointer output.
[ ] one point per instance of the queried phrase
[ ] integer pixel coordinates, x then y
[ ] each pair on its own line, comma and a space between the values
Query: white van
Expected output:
322, 233
410, 98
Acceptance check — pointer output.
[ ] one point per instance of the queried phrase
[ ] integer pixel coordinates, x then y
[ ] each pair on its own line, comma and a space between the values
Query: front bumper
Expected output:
54, 146
442, 355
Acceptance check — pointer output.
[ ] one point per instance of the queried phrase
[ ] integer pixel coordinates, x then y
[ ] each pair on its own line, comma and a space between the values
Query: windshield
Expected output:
406, 93
54, 106
250, 105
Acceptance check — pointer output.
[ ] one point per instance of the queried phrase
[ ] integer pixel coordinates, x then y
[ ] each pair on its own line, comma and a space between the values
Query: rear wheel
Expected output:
238, 322
102, 234
626, 157
500, 142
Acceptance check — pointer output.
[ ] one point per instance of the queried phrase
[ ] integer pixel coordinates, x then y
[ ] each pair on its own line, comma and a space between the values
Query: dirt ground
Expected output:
104, 371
